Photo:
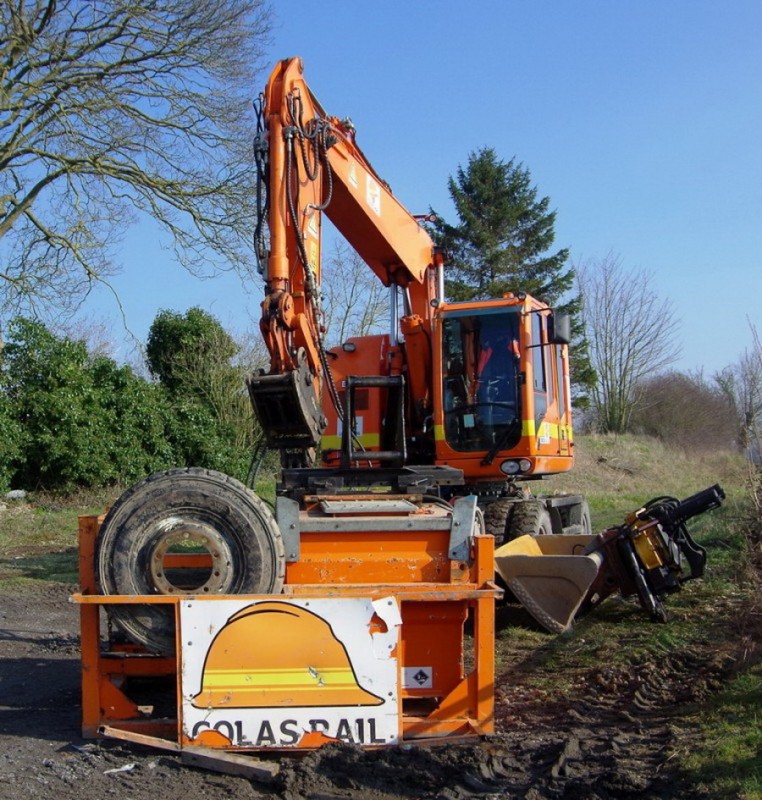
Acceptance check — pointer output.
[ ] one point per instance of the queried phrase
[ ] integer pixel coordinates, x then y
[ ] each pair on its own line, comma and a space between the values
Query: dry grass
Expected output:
619, 473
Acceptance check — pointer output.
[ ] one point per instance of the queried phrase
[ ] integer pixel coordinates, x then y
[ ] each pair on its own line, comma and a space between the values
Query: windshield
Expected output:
481, 398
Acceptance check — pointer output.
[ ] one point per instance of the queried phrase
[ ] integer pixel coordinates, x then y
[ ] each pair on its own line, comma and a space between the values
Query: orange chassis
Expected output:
439, 575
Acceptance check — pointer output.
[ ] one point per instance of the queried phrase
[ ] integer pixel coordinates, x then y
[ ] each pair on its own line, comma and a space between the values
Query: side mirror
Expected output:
559, 328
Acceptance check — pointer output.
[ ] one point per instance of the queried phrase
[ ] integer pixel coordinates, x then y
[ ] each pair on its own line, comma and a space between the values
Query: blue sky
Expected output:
642, 121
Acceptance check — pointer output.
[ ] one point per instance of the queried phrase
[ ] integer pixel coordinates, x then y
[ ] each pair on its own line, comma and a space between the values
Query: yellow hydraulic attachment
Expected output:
556, 577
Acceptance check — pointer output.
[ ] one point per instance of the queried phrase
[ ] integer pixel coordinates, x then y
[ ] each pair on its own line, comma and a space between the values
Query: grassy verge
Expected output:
38, 536
727, 761
717, 620
617, 474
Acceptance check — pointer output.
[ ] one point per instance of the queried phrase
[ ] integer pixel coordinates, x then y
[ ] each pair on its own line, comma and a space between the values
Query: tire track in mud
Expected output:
619, 737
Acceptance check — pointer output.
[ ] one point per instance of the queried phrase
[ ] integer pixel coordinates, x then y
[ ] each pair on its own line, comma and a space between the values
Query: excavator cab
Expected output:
501, 388
481, 401
486, 392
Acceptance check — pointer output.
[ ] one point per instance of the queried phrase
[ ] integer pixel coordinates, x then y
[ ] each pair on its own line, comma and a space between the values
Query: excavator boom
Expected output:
314, 166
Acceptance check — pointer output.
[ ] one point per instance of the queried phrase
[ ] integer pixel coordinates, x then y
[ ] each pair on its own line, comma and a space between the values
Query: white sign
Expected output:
417, 678
289, 672
373, 195
357, 429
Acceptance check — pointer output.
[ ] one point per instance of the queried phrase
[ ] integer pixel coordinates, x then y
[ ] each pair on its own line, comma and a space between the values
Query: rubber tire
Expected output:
497, 519
232, 516
529, 517
584, 518
587, 520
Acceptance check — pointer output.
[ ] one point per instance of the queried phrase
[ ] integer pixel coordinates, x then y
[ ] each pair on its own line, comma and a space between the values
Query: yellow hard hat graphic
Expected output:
275, 655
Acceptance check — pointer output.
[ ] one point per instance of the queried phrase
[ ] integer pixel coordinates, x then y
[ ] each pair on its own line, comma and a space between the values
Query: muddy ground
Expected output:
617, 739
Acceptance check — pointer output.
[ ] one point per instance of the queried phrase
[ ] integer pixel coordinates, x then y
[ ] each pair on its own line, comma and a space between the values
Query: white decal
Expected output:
417, 678
312, 226
373, 194
359, 425
277, 672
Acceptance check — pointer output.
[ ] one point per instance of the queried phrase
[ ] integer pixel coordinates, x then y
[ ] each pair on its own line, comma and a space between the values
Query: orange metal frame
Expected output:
436, 596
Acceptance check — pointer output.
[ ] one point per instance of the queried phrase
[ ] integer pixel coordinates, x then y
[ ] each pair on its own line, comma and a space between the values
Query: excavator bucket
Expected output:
555, 577
550, 575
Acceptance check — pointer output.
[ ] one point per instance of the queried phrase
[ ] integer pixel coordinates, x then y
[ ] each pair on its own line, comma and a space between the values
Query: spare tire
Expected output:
185, 510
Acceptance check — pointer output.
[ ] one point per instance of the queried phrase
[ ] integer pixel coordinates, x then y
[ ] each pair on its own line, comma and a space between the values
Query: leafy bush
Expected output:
211, 423
198, 439
54, 398
76, 420
10, 439
139, 417
72, 419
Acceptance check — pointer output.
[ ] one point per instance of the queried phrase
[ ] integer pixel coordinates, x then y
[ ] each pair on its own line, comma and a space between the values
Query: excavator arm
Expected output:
310, 164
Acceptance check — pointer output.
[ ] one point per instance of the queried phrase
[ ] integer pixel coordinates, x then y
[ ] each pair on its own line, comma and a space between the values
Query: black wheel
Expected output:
497, 519
585, 521
529, 517
143, 544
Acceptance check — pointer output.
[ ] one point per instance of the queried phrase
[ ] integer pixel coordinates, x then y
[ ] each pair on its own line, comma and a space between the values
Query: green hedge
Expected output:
72, 419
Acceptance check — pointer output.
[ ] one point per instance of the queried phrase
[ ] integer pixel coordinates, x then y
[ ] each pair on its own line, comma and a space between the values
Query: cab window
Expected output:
539, 372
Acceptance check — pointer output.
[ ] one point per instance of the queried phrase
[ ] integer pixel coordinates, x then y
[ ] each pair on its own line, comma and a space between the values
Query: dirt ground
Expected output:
618, 740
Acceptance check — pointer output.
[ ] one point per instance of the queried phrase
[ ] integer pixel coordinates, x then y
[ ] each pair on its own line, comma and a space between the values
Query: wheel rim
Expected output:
191, 558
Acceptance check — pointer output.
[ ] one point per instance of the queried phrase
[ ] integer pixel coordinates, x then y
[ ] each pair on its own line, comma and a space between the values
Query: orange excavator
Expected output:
457, 399
341, 614
474, 394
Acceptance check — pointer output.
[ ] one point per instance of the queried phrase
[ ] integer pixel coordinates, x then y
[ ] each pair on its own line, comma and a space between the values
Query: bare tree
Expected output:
686, 410
97, 335
742, 385
110, 109
631, 333
356, 302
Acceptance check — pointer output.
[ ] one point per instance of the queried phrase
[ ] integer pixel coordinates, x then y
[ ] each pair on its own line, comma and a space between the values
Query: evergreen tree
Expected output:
193, 357
501, 244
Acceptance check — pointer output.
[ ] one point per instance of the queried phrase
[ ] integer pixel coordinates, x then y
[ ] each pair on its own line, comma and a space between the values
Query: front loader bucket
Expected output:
550, 575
